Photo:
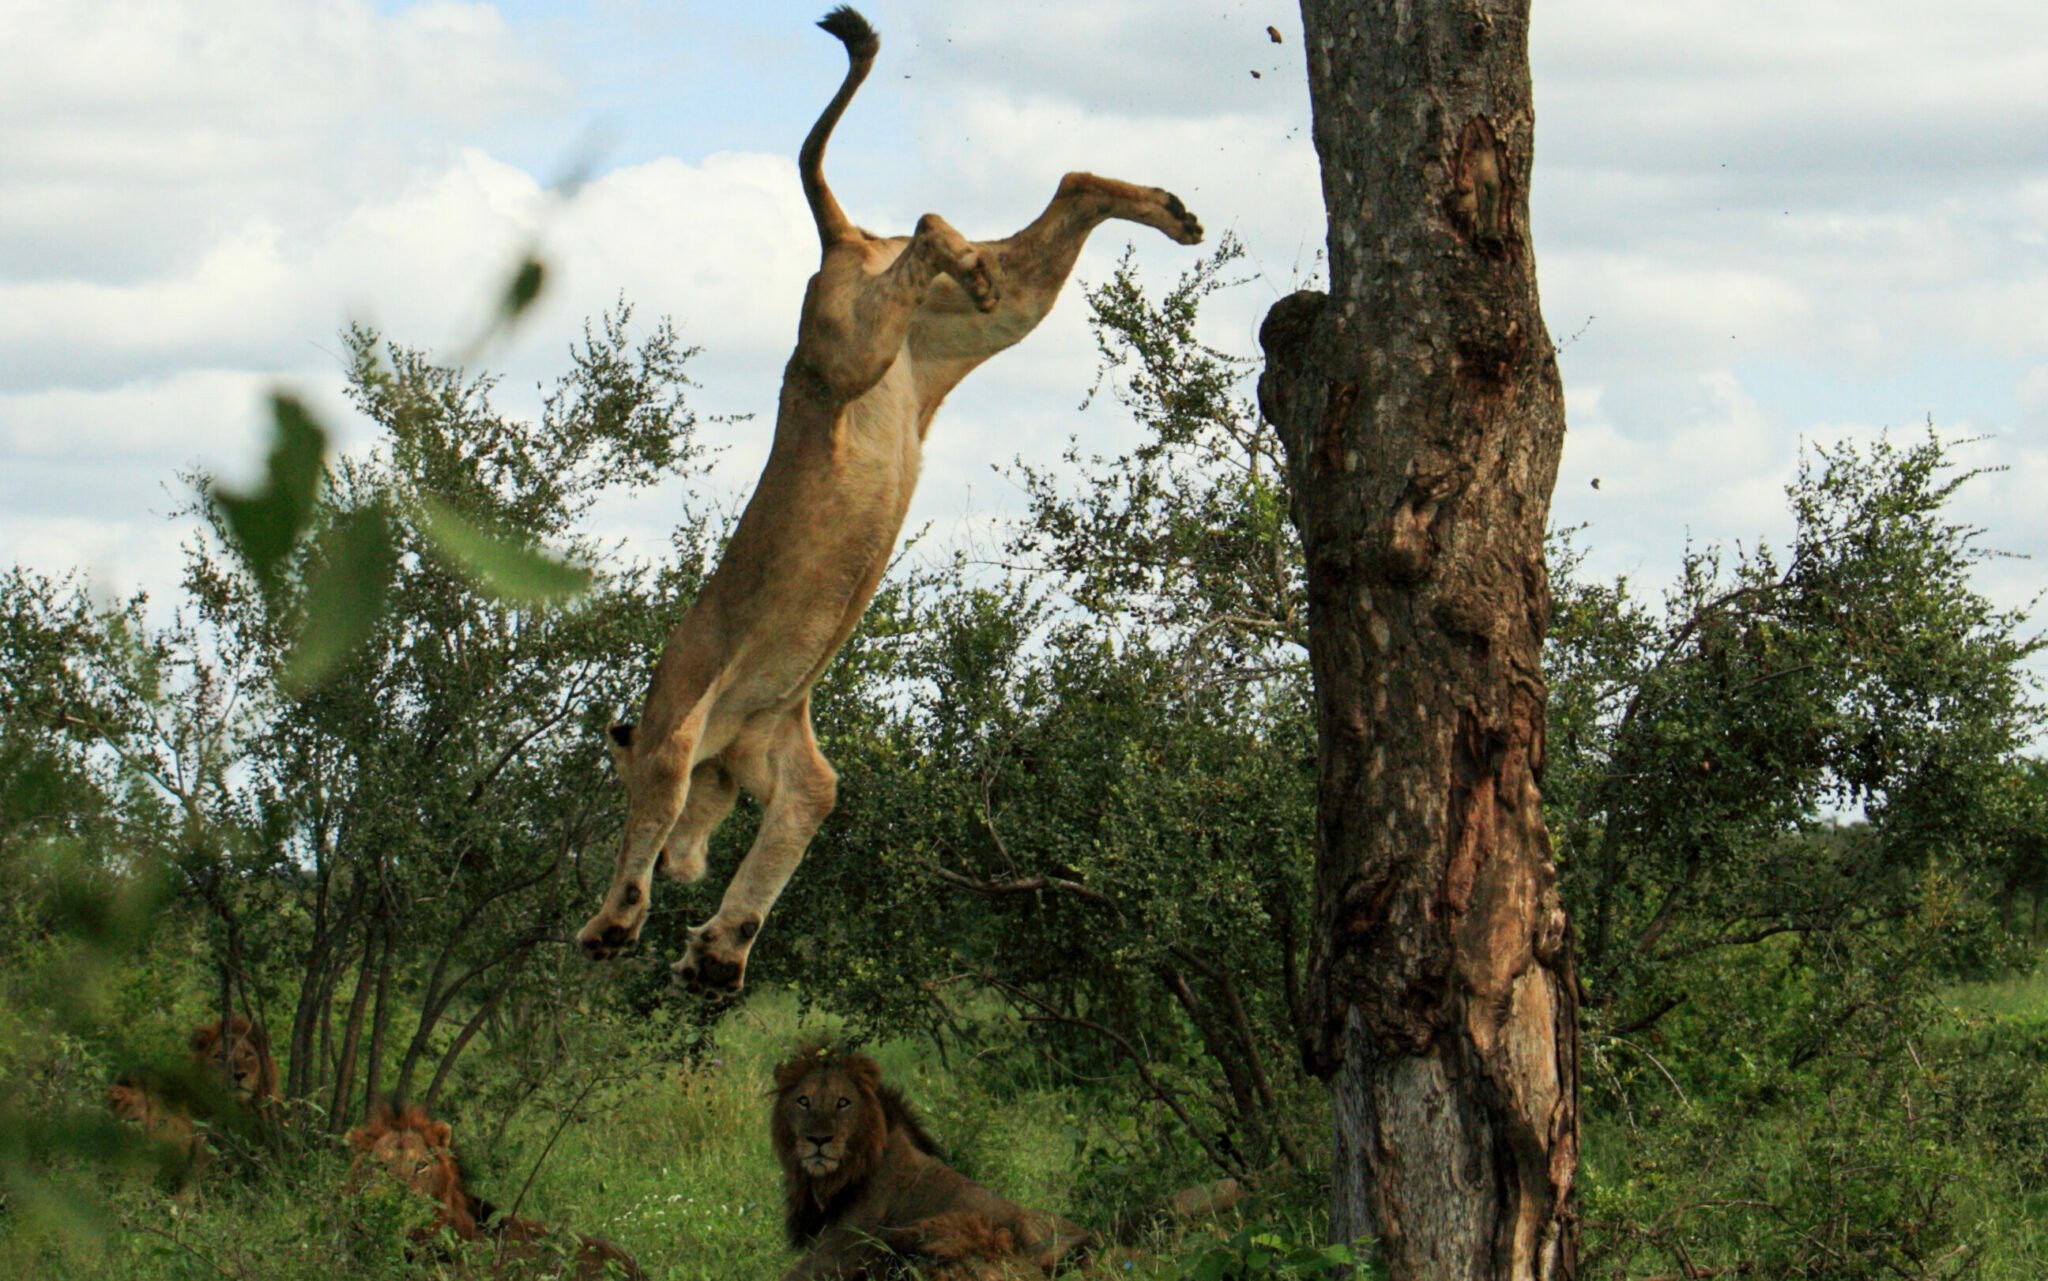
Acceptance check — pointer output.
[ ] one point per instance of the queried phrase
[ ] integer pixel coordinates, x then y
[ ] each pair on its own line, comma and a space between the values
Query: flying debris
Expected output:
1274, 32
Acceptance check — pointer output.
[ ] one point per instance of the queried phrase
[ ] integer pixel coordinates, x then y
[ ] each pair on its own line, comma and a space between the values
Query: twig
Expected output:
240, 1273
1130, 1051
567, 1116
1022, 885
1666, 1073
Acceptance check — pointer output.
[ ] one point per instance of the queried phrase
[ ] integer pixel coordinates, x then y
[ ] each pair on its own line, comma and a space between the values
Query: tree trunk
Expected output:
303, 1071
380, 1020
1422, 414
469, 1030
339, 1109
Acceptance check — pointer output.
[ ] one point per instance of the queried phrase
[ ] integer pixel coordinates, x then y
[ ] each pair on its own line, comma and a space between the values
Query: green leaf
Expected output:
345, 596
504, 568
523, 288
264, 525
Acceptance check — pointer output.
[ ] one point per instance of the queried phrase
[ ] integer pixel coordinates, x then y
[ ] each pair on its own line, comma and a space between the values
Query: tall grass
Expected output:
671, 1162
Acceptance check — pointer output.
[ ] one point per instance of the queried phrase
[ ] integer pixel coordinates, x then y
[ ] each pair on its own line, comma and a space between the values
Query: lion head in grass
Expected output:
863, 1180
418, 1151
147, 1100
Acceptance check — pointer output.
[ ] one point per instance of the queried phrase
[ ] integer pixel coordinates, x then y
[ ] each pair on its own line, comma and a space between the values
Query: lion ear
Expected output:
788, 1074
438, 1133
238, 1026
359, 1137
865, 1070
204, 1037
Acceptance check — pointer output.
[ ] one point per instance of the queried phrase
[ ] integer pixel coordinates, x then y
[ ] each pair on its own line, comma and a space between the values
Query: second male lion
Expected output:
890, 325
865, 1189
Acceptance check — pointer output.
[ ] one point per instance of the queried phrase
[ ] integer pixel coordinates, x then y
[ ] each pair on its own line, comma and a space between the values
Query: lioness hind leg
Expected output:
713, 790
855, 319
797, 788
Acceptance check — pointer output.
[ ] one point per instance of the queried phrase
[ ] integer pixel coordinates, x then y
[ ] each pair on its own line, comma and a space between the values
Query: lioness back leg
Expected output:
951, 337
712, 793
856, 315
797, 788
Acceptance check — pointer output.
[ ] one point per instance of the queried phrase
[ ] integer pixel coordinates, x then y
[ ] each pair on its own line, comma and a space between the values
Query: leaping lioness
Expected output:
889, 326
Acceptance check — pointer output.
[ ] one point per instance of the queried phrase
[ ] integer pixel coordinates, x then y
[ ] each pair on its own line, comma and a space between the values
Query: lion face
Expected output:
827, 1120
415, 1150
824, 1112
133, 1104
415, 1161
238, 1054
134, 1101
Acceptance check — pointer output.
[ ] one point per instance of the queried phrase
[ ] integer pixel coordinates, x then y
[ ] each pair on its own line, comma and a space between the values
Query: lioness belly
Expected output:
800, 585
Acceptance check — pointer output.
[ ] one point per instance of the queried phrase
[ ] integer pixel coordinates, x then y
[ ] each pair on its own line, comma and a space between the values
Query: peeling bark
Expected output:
1422, 414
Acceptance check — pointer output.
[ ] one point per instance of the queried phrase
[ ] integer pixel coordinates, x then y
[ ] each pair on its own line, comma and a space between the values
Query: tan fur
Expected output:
864, 1187
237, 1053
417, 1150
889, 326
135, 1099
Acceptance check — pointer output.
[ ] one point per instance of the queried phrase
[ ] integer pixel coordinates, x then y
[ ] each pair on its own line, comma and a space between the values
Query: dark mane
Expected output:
897, 1114
811, 1206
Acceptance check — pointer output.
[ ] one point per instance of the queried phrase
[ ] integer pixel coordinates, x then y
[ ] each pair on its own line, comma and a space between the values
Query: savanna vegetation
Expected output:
350, 784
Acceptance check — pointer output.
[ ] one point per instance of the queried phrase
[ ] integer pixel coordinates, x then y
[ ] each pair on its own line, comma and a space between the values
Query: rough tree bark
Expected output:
1421, 410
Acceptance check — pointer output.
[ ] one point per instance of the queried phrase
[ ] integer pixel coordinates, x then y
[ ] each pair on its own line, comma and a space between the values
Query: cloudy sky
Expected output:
1758, 224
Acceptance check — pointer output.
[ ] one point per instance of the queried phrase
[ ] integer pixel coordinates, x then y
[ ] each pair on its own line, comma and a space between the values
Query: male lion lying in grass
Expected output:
890, 325
416, 1150
864, 1187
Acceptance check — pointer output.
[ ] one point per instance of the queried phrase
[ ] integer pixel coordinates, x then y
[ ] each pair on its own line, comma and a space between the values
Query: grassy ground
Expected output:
671, 1163
2023, 997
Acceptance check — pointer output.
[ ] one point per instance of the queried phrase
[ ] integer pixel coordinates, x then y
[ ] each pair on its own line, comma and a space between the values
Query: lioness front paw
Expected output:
615, 928
714, 962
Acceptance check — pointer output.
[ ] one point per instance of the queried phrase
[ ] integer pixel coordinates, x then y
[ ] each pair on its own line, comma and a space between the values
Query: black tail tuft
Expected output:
853, 31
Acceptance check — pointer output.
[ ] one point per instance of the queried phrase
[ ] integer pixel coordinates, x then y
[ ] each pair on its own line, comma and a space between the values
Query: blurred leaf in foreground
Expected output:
523, 288
345, 595
506, 569
520, 292
265, 524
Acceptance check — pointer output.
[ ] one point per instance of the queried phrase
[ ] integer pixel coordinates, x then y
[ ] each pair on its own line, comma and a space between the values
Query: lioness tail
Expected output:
861, 44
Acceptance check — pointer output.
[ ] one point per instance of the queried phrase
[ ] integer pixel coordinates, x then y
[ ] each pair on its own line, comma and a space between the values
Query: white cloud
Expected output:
1175, 59
1784, 220
137, 133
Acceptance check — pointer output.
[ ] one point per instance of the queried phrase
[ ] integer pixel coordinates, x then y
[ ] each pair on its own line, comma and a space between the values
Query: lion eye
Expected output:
803, 1101
845, 1102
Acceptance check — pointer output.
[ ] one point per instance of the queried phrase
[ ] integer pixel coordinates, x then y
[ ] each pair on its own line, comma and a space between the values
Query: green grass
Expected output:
670, 1162
2021, 997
